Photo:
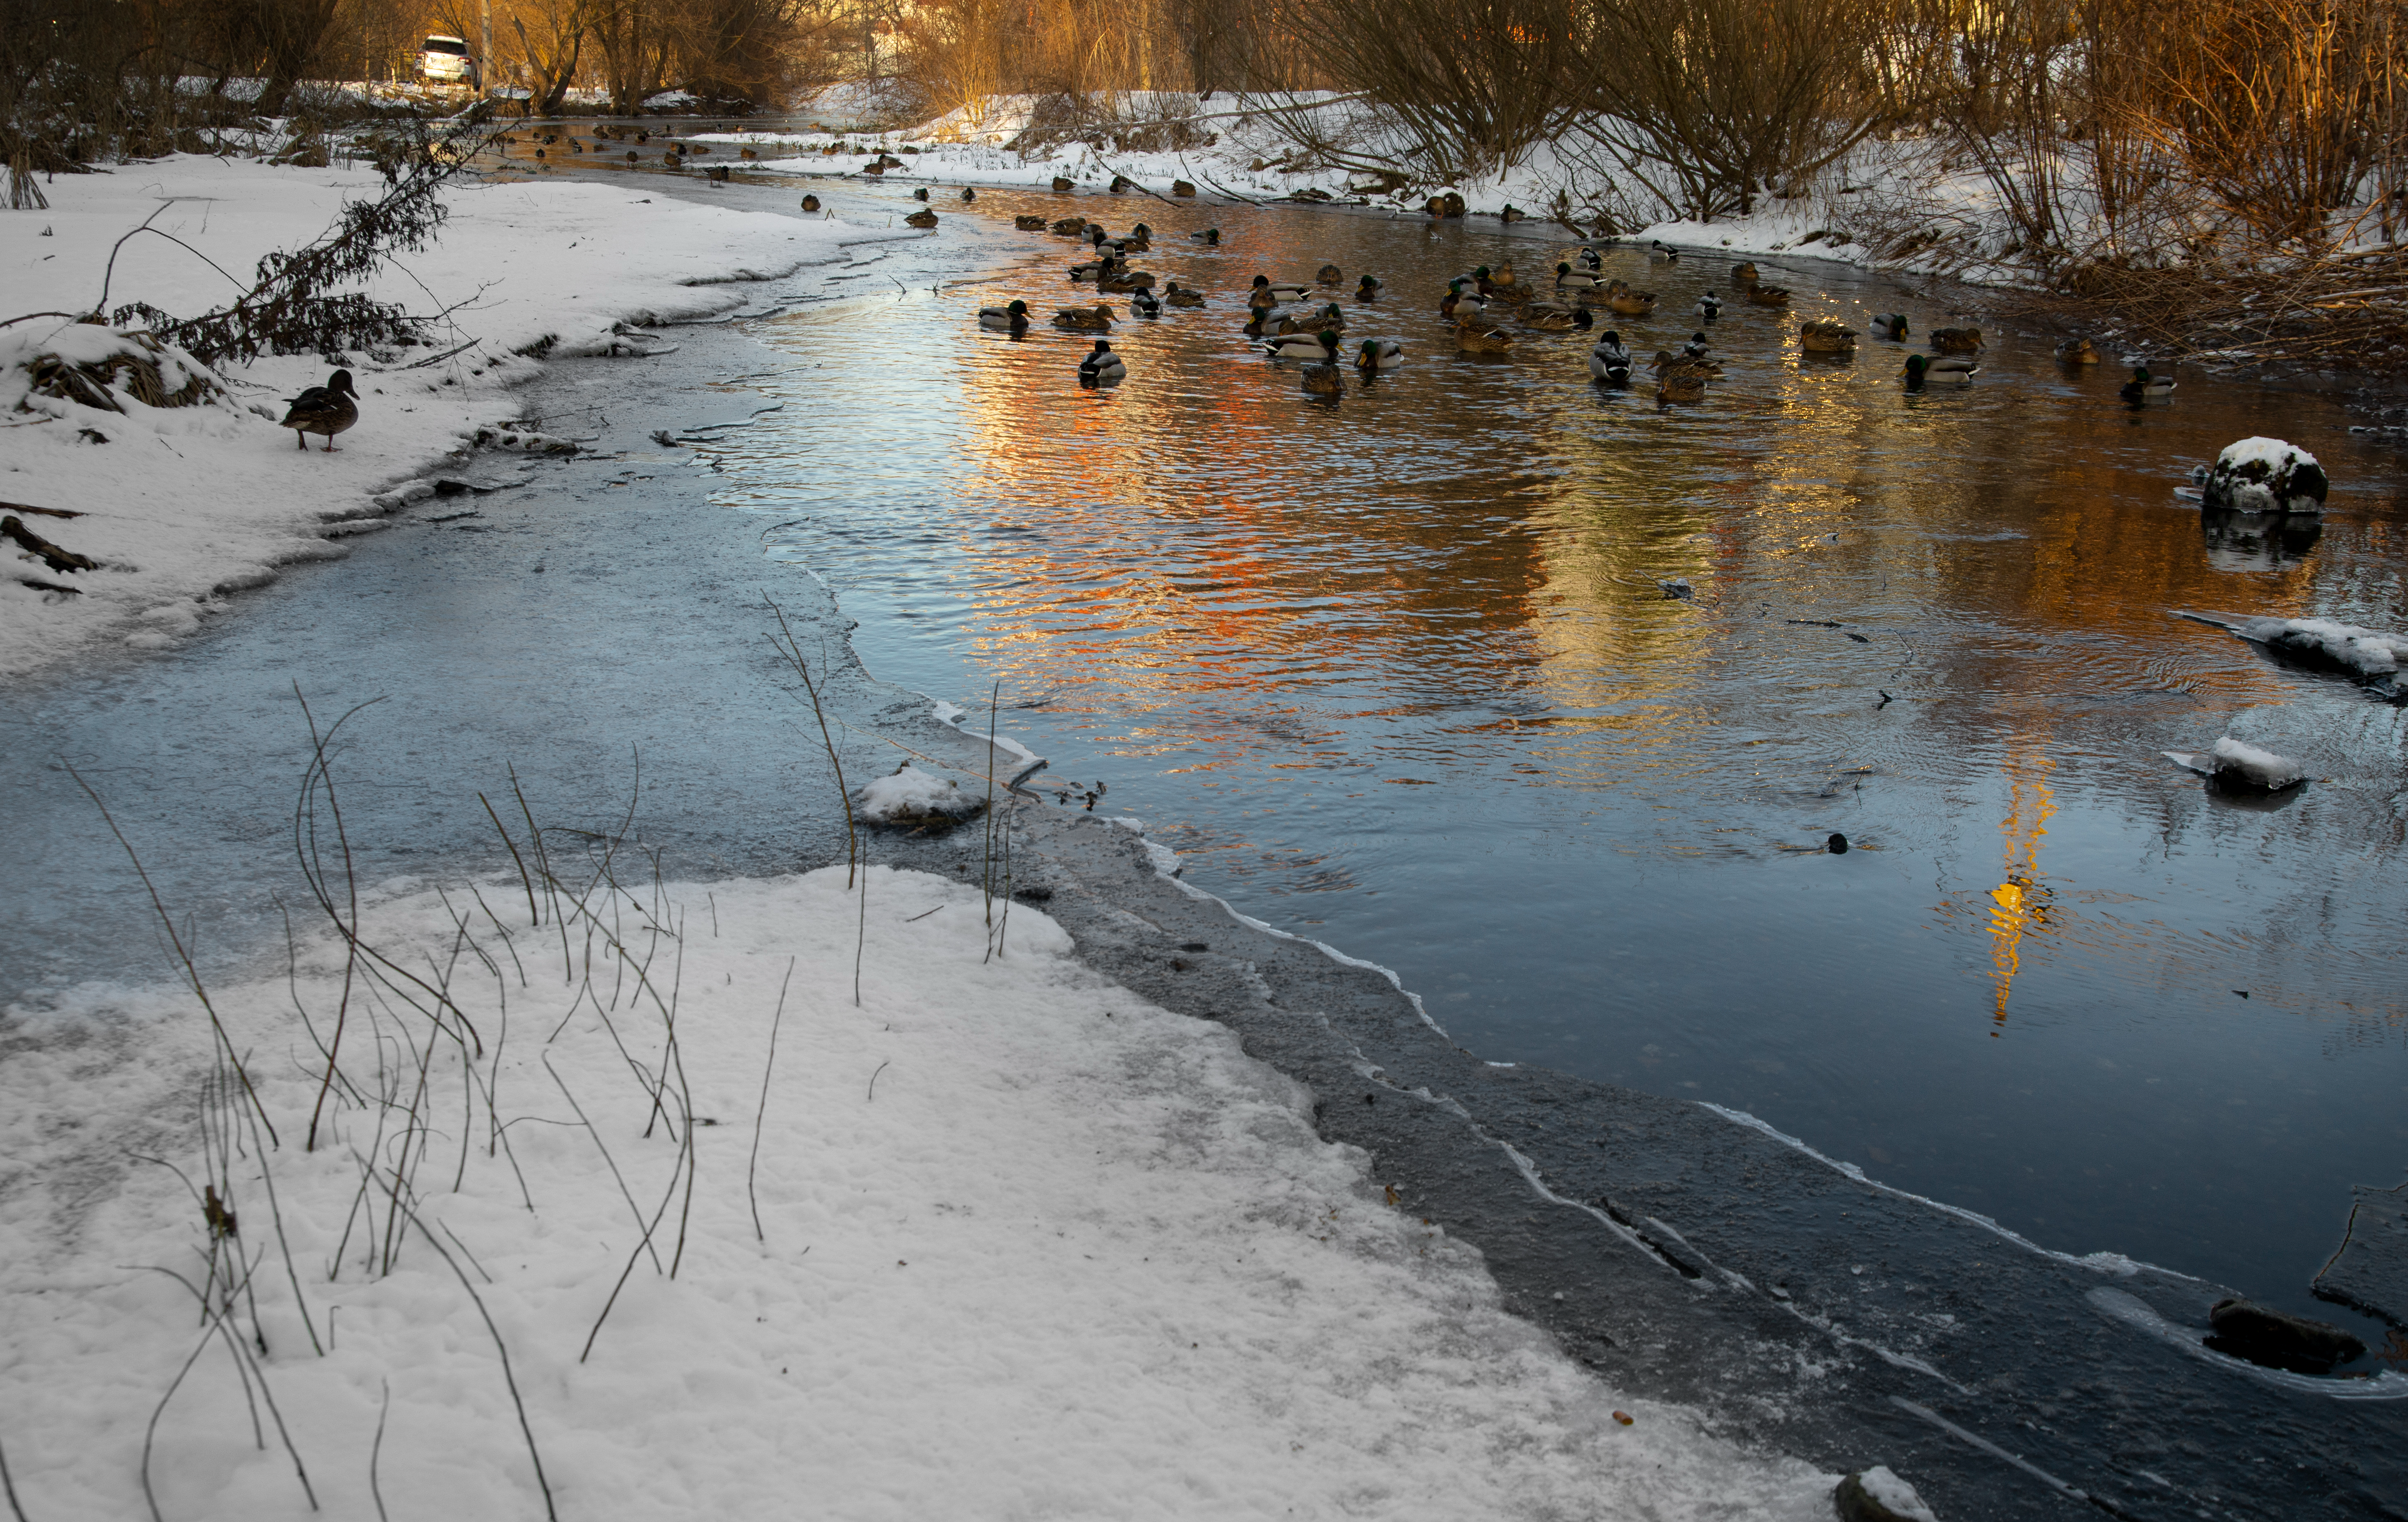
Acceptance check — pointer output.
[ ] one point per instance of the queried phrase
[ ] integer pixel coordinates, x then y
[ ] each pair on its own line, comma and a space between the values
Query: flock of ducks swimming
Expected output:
1307, 323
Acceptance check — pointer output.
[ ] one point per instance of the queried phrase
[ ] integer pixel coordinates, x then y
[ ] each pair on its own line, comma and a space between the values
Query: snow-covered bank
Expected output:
181, 506
1027, 1245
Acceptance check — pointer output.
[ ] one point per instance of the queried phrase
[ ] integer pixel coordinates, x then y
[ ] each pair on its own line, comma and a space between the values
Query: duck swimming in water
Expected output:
1329, 275
1102, 368
1947, 369
1180, 296
1368, 290
1379, 354
1321, 346
1609, 362
1263, 286
1569, 278
325, 410
1889, 326
2077, 352
1095, 319
1322, 381
1010, 319
1710, 306
2144, 387
1146, 304
1210, 235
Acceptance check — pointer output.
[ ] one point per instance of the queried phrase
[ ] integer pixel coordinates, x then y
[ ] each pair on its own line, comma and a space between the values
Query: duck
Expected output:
1179, 295
1320, 346
1095, 319
1890, 326
1680, 386
1826, 338
1210, 235
1569, 278
968, 194
1024, 222
1609, 362
1068, 226
1010, 319
2077, 352
1102, 368
1329, 315
2142, 387
1457, 301
919, 194
1503, 287
1140, 232
922, 219
1368, 290
810, 203
1956, 341
1663, 254
1329, 275
1710, 306
1952, 370
325, 410
1278, 292
1629, 303
1557, 318
1590, 260
1769, 295
1697, 347
1743, 273
1146, 304
1322, 381
1377, 354
1672, 364
1123, 279
1472, 338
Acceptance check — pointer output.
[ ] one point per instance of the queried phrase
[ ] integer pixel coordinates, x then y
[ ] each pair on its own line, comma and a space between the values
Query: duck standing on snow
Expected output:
1609, 362
325, 410
1379, 354
1102, 368
1891, 325
1949, 370
1013, 319
1146, 304
2142, 387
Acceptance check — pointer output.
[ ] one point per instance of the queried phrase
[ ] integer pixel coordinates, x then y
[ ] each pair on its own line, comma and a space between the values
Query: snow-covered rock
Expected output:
2320, 641
912, 796
2236, 764
2265, 475
1877, 1495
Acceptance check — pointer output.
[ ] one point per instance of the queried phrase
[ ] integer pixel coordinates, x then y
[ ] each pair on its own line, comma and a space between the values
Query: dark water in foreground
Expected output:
1396, 673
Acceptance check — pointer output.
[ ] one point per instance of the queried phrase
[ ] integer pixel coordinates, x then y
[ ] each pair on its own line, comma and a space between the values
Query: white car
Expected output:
444, 60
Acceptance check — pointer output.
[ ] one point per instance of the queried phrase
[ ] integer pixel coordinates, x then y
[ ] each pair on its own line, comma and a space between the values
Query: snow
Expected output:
1027, 1245
2265, 475
184, 505
911, 795
2237, 761
2367, 652
1894, 1494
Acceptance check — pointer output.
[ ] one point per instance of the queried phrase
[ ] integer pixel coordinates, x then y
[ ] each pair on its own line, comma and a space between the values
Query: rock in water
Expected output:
2277, 1339
2265, 475
1837, 844
1876, 1495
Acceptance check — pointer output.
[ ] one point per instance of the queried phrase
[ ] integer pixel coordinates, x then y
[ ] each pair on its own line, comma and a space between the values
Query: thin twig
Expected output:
760, 1112
549, 1511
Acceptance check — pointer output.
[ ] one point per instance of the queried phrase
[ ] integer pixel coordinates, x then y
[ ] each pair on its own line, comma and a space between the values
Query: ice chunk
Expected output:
912, 796
1876, 1495
2362, 653
2265, 475
2238, 762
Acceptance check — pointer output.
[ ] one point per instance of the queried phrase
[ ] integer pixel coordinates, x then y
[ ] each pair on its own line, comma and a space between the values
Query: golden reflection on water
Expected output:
2021, 903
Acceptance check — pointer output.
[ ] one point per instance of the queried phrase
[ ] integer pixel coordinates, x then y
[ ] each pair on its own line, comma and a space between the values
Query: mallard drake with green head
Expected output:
1709, 306
1662, 252
1330, 315
1210, 235
1569, 278
1102, 368
1320, 346
2142, 387
1008, 319
1609, 362
1945, 369
1095, 319
1146, 304
1589, 259
325, 410
1890, 326
1377, 354
1263, 286
1367, 290
1460, 302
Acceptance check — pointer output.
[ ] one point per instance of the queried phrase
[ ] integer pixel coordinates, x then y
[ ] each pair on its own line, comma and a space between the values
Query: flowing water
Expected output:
1397, 672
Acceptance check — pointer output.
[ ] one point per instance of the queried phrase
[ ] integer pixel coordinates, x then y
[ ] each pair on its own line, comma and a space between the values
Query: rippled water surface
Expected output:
1397, 672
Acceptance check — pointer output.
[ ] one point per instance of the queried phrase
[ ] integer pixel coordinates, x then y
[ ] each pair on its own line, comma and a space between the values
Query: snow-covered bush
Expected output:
97, 366
2265, 475
912, 796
